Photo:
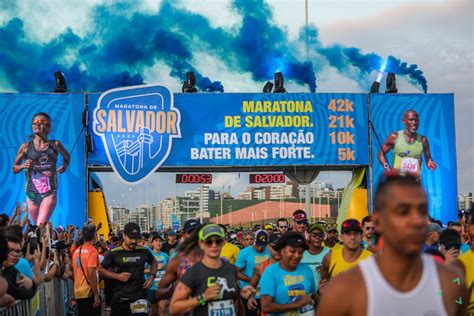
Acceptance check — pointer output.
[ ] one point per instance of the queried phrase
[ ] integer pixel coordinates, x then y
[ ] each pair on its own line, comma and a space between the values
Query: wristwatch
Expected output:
201, 299
386, 166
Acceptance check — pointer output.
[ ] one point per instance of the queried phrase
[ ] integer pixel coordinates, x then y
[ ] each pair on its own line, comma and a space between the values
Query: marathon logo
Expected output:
137, 126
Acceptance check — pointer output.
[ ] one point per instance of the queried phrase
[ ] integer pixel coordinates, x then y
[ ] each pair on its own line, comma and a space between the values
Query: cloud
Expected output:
121, 41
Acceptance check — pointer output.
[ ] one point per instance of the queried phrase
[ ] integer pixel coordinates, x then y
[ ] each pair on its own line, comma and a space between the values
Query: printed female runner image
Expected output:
38, 157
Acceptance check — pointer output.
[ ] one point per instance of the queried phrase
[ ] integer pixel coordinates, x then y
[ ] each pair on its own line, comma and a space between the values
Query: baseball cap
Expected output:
433, 227
156, 236
274, 238
261, 238
132, 230
316, 226
268, 226
59, 229
299, 215
351, 225
190, 225
172, 233
293, 239
211, 230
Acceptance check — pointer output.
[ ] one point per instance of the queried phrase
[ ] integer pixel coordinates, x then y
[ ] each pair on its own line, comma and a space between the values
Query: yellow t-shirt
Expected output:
467, 260
338, 264
230, 252
336, 246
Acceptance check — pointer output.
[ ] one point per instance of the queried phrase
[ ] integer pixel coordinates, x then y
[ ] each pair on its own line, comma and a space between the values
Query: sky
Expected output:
437, 36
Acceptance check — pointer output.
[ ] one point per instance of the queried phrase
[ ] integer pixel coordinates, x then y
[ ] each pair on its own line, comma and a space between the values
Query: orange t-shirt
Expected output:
89, 258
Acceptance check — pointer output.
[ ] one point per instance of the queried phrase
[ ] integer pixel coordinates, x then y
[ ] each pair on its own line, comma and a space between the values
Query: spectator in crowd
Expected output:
368, 235
464, 265
19, 286
249, 257
288, 286
450, 244
269, 228
458, 227
162, 260
85, 264
282, 225
210, 287
331, 241
254, 302
171, 243
248, 239
300, 222
189, 253
313, 257
229, 251
350, 255
432, 239
5, 299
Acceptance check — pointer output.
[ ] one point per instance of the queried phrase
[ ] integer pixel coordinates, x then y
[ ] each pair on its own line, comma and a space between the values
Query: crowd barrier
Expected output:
53, 298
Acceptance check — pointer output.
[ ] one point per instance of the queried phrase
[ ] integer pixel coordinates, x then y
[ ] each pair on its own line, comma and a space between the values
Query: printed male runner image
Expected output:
408, 146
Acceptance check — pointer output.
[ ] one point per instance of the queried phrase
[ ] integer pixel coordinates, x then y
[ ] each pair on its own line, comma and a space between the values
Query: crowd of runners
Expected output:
397, 261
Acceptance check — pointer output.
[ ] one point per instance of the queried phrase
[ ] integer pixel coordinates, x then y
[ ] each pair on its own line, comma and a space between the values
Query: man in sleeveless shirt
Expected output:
408, 147
399, 280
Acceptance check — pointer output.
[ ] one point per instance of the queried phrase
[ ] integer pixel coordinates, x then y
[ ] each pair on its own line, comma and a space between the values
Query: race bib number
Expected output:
307, 310
139, 306
159, 275
221, 308
409, 165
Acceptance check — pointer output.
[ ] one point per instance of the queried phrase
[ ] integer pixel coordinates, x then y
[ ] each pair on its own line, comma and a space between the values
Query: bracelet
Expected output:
201, 299
386, 166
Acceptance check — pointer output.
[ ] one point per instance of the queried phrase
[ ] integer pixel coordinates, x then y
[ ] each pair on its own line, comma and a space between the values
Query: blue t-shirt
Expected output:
247, 259
288, 286
24, 267
315, 263
161, 258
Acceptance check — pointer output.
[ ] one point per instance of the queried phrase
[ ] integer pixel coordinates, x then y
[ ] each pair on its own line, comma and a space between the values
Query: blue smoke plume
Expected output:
123, 44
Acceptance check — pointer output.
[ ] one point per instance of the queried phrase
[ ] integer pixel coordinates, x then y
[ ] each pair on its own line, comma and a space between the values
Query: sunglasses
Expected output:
370, 228
284, 226
317, 235
303, 222
40, 123
217, 241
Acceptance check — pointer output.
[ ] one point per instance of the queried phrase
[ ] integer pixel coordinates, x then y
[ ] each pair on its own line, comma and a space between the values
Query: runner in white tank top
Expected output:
399, 280
383, 299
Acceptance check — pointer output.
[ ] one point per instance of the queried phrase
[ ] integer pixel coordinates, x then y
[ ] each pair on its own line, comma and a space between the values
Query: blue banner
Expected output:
175, 221
65, 111
255, 129
431, 152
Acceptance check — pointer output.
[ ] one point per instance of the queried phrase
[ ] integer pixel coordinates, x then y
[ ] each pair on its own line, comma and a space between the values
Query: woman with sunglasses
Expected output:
210, 287
288, 286
38, 158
